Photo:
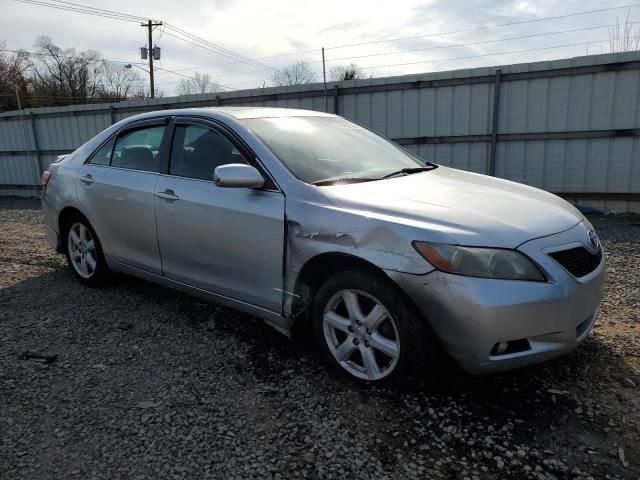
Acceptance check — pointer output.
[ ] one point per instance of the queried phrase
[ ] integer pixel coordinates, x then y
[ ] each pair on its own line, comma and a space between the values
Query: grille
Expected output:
578, 261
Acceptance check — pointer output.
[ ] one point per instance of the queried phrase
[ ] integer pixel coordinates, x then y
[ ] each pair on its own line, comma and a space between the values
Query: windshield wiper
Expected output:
408, 171
331, 181
403, 171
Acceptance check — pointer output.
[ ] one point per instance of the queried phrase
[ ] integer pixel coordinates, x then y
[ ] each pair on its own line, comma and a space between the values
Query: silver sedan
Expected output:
321, 227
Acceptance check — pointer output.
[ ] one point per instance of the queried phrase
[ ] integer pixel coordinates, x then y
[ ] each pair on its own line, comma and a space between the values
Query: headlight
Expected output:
479, 262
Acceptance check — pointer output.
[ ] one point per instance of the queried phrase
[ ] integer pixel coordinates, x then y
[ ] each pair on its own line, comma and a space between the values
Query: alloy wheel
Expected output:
82, 250
361, 334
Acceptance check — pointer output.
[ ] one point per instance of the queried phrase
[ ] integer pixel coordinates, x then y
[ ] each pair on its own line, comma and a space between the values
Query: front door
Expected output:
229, 241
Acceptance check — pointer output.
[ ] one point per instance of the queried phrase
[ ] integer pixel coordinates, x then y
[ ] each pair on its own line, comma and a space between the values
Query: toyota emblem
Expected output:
593, 239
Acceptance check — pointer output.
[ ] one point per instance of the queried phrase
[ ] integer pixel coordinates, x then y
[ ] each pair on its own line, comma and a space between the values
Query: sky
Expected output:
276, 33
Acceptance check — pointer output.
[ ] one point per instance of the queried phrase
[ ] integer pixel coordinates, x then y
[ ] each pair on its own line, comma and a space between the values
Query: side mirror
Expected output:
237, 175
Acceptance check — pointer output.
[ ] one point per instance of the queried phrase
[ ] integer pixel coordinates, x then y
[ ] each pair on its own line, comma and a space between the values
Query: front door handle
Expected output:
168, 195
87, 179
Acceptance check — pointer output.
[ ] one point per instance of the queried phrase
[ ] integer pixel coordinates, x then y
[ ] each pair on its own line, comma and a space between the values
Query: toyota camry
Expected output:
321, 227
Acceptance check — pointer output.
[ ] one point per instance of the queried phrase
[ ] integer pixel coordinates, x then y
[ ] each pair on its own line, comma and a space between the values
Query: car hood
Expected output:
460, 207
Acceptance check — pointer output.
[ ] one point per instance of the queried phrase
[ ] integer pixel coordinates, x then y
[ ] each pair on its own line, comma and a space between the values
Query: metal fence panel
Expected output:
15, 135
569, 126
19, 170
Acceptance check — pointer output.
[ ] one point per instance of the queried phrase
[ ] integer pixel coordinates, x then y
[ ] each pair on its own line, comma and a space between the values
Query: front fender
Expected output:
316, 229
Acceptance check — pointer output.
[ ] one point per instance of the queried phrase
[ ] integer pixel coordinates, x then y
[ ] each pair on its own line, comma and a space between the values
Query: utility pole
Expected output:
150, 24
18, 98
324, 81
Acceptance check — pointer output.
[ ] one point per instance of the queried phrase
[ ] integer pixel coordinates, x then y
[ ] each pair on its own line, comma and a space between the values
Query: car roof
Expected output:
261, 112
237, 112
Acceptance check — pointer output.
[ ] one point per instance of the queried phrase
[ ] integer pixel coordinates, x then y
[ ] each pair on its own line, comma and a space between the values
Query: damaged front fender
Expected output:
316, 229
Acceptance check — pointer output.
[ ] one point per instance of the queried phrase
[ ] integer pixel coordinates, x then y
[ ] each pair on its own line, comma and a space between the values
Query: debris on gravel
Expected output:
136, 381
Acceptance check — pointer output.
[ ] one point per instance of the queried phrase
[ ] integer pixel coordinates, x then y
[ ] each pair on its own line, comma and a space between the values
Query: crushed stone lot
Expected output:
139, 382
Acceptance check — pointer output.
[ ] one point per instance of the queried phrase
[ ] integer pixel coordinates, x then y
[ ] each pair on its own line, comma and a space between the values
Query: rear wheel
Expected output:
84, 252
364, 326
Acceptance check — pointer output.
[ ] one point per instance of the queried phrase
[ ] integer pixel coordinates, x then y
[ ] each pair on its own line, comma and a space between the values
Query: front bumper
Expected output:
471, 316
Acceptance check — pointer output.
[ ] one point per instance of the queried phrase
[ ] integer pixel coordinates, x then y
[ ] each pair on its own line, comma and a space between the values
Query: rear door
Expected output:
228, 241
116, 188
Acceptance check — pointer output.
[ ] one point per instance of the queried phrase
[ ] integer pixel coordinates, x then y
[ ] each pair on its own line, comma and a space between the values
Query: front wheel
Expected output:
366, 328
84, 253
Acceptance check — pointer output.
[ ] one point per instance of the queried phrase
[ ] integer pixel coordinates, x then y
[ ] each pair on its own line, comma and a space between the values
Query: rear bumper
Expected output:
50, 223
53, 238
471, 316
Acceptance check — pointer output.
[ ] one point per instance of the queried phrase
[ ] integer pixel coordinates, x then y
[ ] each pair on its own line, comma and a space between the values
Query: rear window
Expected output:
139, 149
103, 155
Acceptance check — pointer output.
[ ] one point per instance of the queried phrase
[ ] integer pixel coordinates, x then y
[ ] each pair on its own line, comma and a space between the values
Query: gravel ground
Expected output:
136, 381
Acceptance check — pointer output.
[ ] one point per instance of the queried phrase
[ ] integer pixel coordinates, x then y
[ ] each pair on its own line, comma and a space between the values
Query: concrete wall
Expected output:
569, 126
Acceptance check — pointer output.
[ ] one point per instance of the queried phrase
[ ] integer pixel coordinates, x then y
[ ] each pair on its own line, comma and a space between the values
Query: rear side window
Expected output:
103, 155
197, 151
139, 149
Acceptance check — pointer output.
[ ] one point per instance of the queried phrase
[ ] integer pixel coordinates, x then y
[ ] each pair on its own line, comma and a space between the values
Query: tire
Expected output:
84, 252
379, 338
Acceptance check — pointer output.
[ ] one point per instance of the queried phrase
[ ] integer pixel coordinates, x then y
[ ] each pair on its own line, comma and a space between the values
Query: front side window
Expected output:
197, 151
320, 149
139, 149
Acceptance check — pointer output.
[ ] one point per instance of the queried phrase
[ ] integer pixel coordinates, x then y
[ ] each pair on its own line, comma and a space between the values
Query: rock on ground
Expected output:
137, 381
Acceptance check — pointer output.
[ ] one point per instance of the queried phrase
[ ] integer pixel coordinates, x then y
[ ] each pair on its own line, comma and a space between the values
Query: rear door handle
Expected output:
87, 179
168, 195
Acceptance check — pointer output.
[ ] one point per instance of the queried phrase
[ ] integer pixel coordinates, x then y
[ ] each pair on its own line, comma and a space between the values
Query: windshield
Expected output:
317, 149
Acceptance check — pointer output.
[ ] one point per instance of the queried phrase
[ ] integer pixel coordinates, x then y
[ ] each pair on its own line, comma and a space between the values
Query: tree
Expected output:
200, 83
346, 72
12, 77
60, 76
624, 38
59, 73
119, 82
298, 73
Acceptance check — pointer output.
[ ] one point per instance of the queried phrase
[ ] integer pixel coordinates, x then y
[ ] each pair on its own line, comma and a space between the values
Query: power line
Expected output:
198, 41
190, 78
225, 50
213, 51
484, 42
78, 8
388, 40
468, 57
487, 54
194, 39
209, 49
43, 54
455, 58
439, 47
435, 34
239, 58
135, 17
194, 43
87, 11
486, 27
301, 52
105, 59
230, 86
161, 33
225, 74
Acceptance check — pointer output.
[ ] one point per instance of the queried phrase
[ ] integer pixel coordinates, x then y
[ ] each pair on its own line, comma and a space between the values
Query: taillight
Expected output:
46, 176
